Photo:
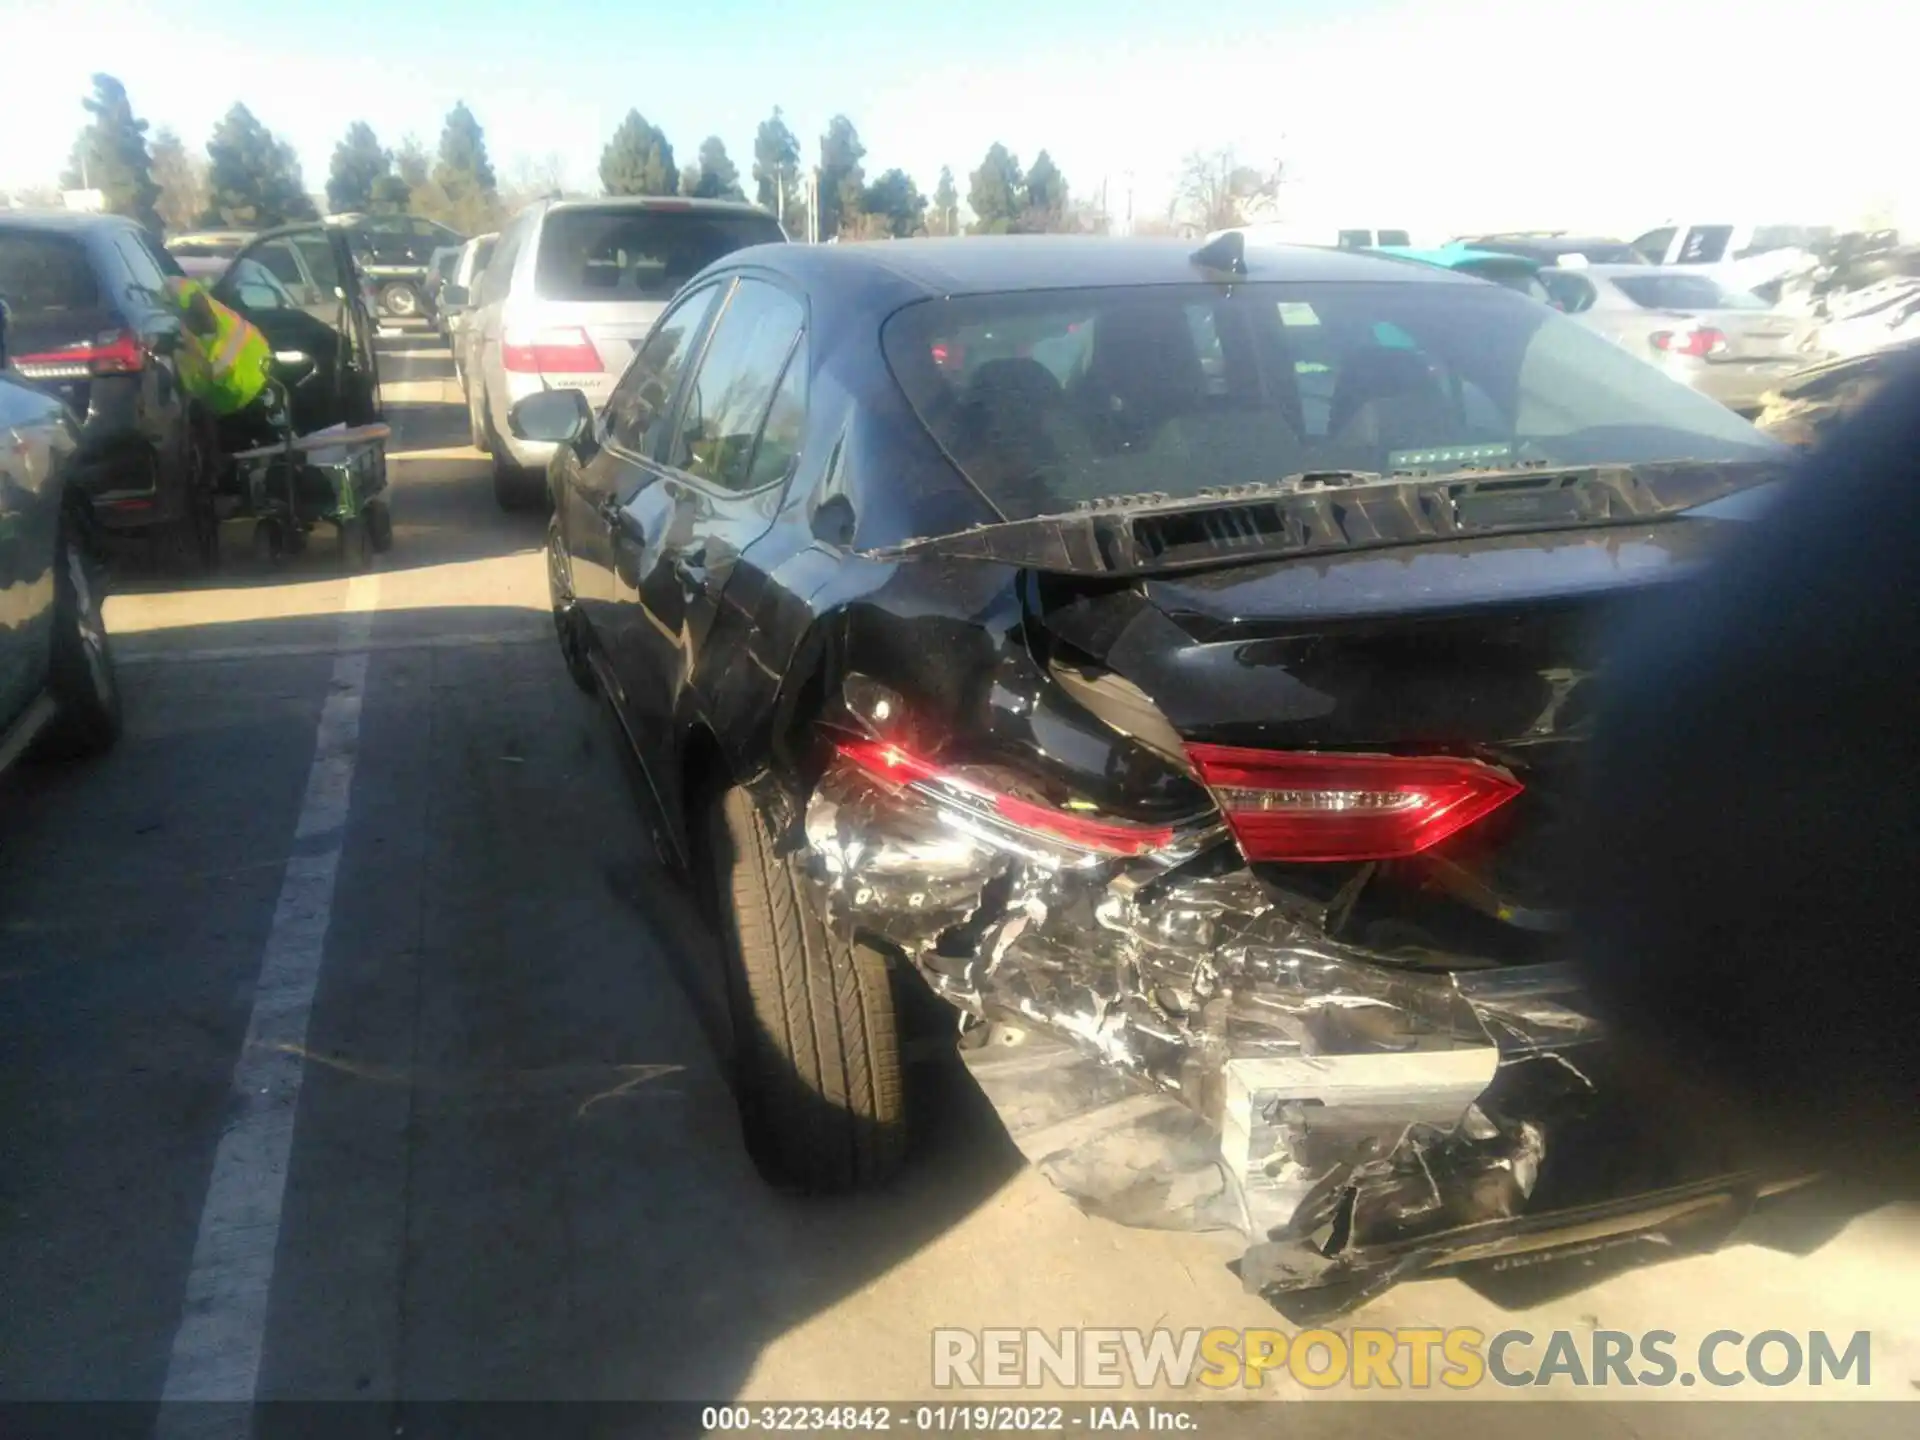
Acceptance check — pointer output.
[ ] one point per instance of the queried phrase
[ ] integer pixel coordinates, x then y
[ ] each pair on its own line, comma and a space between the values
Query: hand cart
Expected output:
337, 475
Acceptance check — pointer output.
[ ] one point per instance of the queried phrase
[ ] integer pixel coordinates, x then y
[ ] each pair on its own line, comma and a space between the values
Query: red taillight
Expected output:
890, 763
1294, 805
565, 351
115, 352
1699, 343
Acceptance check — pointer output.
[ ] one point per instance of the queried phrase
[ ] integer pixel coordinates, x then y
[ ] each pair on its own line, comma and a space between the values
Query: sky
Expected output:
1438, 118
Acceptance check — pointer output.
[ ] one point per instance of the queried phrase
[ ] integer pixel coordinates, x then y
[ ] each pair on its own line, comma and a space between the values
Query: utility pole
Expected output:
813, 206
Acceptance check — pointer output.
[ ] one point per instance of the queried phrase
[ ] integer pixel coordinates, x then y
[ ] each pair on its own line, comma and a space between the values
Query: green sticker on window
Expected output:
1452, 457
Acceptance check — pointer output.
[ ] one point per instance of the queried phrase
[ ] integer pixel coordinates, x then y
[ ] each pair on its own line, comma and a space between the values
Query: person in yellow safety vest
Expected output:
223, 361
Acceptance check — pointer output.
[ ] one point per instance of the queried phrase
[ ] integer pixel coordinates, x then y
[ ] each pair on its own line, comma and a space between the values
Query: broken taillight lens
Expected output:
894, 765
1306, 806
567, 350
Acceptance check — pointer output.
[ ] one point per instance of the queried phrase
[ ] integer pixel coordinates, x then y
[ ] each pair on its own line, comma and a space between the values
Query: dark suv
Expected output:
90, 325
393, 252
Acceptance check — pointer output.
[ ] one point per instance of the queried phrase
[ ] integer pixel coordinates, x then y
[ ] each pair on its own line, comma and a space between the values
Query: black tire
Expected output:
356, 547
379, 526
399, 300
477, 427
80, 672
817, 1053
567, 623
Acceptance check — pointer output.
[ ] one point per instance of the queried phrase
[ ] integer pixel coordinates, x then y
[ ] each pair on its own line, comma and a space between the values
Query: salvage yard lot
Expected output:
515, 1171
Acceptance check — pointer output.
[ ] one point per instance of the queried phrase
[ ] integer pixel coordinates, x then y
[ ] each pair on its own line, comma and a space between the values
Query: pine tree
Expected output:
638, 160
946, 204
358, 164
715, 178
111, 155
253, 178
182, 178
776, 167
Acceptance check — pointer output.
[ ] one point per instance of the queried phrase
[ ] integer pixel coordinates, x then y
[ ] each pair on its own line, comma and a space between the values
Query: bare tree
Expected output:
1215, 190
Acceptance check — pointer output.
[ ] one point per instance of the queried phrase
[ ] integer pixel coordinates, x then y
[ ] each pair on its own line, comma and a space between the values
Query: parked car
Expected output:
1516, 272
208, 244
1294, 233
1716, 243
971, 632
91, 327
571, 290
1806, 407
439, 271
455, 295
393, 251
1555, 247
1725, 343
57, 686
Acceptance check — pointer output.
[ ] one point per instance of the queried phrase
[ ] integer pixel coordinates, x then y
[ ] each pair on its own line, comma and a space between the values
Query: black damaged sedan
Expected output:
1176, 660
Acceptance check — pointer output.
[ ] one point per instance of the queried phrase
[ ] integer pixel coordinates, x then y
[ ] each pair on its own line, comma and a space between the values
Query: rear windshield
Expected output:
1049, 399
1684, 292
630, 254
45, 274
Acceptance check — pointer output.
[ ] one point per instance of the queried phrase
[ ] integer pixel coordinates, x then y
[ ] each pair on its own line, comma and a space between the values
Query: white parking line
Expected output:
217, 1347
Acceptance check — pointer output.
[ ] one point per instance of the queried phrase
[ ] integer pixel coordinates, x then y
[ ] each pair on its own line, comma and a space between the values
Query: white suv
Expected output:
571, 290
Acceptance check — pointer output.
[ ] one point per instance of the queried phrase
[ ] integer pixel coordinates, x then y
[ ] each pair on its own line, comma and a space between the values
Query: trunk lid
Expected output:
1480, 650
1756, 334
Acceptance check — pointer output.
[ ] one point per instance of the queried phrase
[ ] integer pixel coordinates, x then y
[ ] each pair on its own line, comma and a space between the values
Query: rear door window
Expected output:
627, 253
731, 392
1684, 292
46, 274
638, 409
318, 254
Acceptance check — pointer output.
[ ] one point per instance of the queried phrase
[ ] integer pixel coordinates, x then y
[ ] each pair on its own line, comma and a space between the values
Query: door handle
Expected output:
691, 567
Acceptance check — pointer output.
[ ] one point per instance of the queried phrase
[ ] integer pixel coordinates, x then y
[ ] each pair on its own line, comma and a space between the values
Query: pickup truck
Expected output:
393, 252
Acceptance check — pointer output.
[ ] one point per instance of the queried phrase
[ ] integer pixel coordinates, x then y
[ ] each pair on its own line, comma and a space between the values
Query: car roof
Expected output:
661, 202
1649, 272
61, 222
1450, 256
982, 264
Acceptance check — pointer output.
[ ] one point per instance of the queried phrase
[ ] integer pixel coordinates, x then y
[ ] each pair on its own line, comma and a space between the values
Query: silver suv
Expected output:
570, 292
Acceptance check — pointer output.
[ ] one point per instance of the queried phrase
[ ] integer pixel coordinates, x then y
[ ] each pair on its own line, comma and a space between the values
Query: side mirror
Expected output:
453, 297
559, 417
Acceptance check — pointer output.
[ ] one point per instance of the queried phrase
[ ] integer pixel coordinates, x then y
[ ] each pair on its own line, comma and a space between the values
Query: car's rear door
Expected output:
634, 429
735, 437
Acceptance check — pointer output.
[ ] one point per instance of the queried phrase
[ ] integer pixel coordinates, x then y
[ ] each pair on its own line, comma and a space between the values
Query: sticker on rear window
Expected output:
1297, 312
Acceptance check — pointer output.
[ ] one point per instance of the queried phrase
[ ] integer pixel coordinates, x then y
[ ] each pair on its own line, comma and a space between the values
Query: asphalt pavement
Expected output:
351, 1048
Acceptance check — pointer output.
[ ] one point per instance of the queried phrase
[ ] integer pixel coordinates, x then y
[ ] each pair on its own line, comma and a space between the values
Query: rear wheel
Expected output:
817, 1053
80, 671
379, 526
476, 423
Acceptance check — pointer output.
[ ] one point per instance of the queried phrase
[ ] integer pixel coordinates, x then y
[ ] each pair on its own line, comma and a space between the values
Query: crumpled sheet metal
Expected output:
1195, 1053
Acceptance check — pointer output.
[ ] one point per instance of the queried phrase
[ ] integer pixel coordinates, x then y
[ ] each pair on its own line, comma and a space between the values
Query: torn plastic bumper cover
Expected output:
1185, 1048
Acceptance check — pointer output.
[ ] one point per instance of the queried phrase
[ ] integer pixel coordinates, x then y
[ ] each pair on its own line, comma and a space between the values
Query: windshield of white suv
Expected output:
629, 253
1050, 399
